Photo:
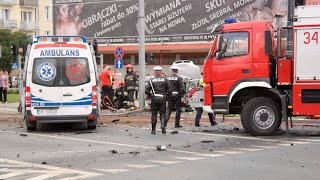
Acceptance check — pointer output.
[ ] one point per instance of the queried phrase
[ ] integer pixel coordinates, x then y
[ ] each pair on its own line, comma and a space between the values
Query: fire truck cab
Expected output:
243, 75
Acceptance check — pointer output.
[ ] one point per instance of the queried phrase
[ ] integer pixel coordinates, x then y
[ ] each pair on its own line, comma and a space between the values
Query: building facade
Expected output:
34, 17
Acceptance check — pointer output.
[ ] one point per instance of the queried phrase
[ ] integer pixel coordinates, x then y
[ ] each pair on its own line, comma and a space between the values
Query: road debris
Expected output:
169, 145
136, 137
174, 132
236, 128
115, 120
86, 132
161, 148
187, 146
134, 153
207, 141
23, 135
114, 151
43, 162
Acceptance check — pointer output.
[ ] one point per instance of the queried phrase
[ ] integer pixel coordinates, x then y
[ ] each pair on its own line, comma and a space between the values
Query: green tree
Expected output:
8, 39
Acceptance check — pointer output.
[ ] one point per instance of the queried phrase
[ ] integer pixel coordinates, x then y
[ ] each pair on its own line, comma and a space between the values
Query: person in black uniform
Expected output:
158, 89
178, 91
131, 85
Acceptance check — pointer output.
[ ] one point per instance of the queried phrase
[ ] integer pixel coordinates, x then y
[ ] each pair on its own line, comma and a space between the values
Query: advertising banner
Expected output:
116, 21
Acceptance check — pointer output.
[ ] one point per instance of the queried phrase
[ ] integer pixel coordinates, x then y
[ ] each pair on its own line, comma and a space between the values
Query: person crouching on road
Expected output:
131, 85
178, 91
121, 97
158, 89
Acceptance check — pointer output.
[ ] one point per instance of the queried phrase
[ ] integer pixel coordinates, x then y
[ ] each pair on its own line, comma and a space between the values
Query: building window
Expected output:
47, 33
6, 14
26, 16
47, 13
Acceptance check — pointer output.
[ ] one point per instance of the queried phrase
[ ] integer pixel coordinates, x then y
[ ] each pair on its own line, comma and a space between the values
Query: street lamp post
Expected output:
142, 62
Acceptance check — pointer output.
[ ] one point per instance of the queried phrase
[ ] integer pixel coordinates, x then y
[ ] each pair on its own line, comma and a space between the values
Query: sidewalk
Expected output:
9, 107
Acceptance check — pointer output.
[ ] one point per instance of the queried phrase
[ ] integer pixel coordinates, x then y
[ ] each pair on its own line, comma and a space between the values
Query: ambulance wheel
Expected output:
92, 124
261, 116
31, 126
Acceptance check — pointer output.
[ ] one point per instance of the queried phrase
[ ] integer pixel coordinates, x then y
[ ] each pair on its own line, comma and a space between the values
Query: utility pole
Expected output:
20, 75
142, 62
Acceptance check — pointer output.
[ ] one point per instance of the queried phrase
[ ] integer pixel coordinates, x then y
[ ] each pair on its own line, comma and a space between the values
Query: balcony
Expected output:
8, 2
29, 3
8, 23
29, 26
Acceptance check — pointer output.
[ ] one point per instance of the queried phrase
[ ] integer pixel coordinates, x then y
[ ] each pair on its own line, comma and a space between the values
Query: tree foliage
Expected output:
8, 39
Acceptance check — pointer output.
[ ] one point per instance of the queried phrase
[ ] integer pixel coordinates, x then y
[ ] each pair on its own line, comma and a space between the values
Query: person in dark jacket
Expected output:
158, 89
178, 91
131, 85
121, 97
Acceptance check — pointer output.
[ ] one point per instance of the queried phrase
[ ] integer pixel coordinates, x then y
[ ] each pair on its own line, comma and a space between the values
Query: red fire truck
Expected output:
243, 75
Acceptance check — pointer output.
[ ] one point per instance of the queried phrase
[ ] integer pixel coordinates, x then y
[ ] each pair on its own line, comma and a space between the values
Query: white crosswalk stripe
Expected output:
141, 166
15, 169
165, 162
247, 149
230, 152
44, 176
11, 174
189, 158
211, 155
113, 171
265, 147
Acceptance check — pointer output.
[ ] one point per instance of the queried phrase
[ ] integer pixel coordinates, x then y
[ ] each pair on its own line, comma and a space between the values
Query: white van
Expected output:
60, 82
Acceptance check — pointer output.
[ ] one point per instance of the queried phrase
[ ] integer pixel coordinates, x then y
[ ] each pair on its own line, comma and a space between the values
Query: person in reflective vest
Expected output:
159, 90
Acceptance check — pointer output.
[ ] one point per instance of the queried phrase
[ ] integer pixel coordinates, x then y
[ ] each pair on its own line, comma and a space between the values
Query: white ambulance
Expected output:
60, 82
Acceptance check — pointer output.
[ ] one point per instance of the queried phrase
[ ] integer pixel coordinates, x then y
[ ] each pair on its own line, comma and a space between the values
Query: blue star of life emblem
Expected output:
46, 71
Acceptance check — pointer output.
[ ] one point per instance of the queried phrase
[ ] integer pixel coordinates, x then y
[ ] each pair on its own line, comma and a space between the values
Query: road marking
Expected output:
12, 166
222, 135
165, 162
230, 152
13, 149
141, 166
11, 174
284, 144
189, 158
46, 169
297, 142
310, 140
211, 155
247, 149
44, 176
265, 147
113, 171
94, 141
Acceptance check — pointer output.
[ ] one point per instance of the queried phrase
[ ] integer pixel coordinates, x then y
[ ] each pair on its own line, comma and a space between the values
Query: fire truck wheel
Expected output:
261, 116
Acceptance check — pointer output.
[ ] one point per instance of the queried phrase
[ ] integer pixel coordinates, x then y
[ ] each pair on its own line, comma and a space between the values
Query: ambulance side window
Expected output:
238, 44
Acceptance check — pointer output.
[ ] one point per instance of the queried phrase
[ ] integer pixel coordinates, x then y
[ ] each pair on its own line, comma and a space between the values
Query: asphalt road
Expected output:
129, 152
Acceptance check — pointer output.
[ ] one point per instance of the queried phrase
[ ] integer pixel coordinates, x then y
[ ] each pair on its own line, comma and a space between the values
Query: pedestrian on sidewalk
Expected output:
200, 111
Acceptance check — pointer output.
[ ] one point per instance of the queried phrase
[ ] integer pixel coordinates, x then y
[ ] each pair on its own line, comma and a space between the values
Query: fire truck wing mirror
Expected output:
218, 55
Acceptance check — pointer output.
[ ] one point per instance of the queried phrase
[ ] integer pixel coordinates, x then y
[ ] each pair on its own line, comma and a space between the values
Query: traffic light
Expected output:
14, 50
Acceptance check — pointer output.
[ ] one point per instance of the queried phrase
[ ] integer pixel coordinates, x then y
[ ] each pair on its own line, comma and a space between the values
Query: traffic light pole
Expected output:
142, 62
